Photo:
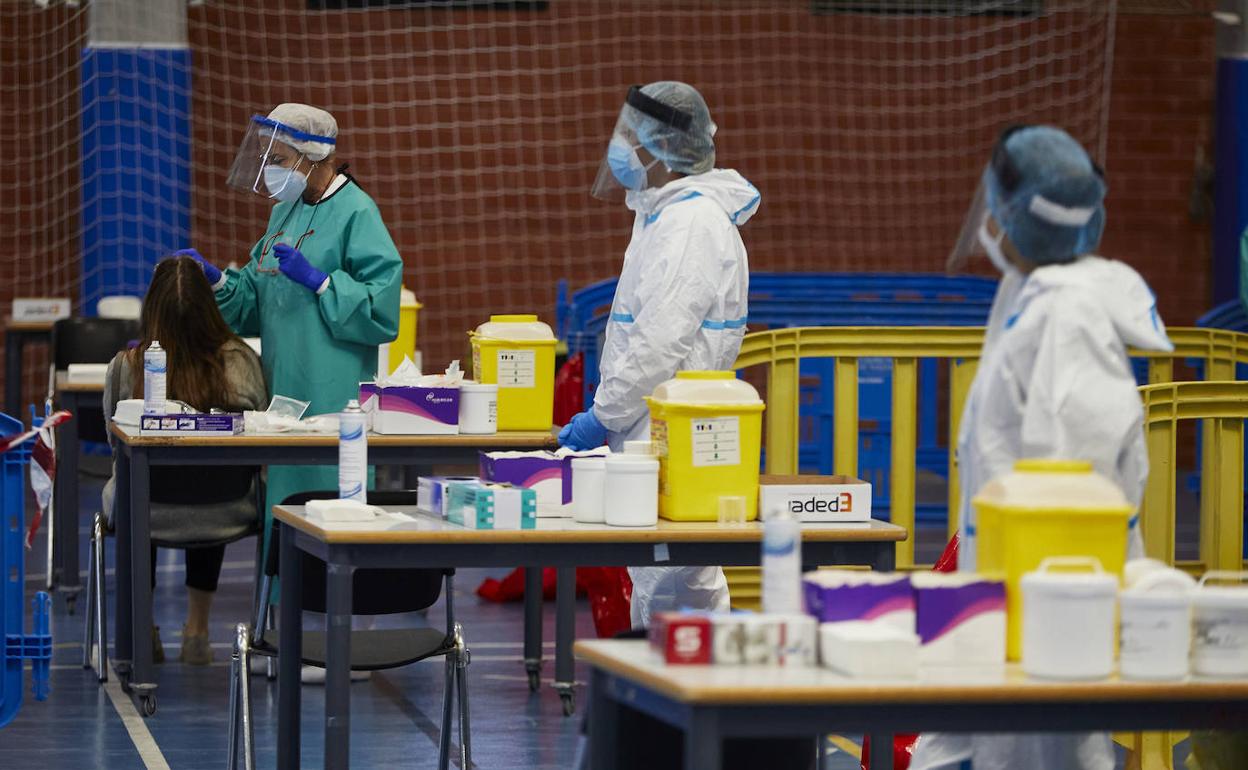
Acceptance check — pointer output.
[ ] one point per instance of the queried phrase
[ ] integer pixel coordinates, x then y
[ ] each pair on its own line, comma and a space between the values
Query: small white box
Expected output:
33, 309
816, 498
868, 650
433, 492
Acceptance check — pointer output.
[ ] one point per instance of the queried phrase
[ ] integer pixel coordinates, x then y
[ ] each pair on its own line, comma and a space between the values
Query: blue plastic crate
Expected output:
18, 645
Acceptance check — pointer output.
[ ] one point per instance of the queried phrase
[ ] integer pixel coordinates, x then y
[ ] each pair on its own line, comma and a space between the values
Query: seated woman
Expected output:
209, 367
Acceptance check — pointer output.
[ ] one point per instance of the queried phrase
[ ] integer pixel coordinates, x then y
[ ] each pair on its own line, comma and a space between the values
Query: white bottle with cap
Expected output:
631, 491
589, 476
155, 369
478, 408
352, 453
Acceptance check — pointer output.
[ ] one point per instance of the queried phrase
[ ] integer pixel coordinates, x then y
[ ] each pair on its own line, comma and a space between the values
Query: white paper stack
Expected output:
869, 650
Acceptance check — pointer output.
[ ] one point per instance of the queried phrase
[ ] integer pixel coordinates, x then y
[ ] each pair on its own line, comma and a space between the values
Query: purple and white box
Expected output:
835, 596
549, 474
960, 619
190, 425
411, 409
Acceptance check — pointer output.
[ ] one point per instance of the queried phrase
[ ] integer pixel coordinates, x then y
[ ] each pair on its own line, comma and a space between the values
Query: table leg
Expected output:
337, 664
703, 742
142, 679
290, 652
533, 626
565, 635
881, 750
604, 725
13, 344
123, 652
67, 502
885, 557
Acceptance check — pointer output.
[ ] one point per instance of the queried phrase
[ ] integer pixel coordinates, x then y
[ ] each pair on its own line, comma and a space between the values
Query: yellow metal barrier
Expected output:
1223, 406
782, 351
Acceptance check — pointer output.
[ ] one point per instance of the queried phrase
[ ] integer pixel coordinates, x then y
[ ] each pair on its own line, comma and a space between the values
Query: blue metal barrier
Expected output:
18, 646
785, 300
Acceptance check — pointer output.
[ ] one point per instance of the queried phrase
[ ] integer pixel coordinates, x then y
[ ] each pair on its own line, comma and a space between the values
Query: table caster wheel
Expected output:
71, 602
148, 705
569, 703
535, 680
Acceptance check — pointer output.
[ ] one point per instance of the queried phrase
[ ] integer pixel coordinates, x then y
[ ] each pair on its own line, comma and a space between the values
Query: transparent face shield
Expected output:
266, 164
970, 243
627, 164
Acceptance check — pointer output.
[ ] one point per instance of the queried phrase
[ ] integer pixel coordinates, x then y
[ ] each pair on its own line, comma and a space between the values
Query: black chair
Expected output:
190, 508
90, 341
373, 593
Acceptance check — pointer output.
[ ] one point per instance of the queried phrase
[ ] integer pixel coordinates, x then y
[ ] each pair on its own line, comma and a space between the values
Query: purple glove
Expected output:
210, 270
296, 267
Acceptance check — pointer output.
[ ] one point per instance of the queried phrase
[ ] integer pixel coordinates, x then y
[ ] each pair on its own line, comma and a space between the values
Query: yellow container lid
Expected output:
1040, 484
514, 328
707, 389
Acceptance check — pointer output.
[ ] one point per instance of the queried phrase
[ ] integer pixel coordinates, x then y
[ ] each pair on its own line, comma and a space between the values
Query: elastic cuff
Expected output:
220, 284
324, 286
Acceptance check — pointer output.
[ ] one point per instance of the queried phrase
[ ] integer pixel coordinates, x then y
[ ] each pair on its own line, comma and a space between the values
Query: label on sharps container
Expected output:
517, 368
717, 442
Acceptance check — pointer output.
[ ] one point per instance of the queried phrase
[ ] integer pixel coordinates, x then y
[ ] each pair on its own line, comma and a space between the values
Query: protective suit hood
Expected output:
1114, 287
729, 190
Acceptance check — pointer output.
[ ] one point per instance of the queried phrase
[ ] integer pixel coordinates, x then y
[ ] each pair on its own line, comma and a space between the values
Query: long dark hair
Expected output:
180, 311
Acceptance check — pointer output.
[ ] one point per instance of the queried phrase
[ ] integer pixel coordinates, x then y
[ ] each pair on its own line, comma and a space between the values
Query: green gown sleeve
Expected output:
238, 300
361, 304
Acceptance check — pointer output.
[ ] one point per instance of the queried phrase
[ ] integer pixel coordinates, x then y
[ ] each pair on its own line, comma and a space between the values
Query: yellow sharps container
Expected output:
1046, 508
517, 353
706, 428
405, 343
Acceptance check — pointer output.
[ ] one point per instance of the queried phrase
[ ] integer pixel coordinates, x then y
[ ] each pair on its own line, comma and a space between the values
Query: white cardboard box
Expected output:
816, 498
41, 308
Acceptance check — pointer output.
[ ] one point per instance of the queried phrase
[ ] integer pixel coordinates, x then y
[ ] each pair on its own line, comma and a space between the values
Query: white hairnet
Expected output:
690, 151
312, 121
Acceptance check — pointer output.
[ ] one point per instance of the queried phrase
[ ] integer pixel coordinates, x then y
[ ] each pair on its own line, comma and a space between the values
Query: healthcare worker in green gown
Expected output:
322, 287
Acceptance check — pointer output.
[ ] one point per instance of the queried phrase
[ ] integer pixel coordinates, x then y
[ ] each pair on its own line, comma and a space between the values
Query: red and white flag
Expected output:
42, 466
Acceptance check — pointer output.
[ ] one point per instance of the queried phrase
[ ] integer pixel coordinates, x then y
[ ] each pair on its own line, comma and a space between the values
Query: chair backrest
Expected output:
375, 591
90, 340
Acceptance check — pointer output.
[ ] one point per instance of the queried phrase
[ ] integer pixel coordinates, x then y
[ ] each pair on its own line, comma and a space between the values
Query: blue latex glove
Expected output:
583, 433
296, 267
210, 270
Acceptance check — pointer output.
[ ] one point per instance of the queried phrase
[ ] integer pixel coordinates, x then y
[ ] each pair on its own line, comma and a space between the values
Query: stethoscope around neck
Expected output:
271, 240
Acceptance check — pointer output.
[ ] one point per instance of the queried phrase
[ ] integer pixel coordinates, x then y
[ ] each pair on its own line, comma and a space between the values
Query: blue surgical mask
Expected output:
625, 165
285, 184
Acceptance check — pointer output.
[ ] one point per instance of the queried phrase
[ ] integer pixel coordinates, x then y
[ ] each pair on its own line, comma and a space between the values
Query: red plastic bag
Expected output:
903, 745
610, 594
570, 389
511, 588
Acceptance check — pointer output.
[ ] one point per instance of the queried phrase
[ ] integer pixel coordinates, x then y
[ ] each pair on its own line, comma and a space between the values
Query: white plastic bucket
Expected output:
1220, 623
478, 408
1068, 620
589, 476
631, 491
1155, 631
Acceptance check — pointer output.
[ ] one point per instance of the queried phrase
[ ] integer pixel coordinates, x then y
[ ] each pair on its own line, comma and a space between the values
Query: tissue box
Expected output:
190, 425
493, 506
960, 619
816, 498
549, 474
682, 638
839, 595
432, 492
869, 650
413, 410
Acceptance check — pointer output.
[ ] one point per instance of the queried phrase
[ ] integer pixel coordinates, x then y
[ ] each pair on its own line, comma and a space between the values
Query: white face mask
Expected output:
285, 184
992, 245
